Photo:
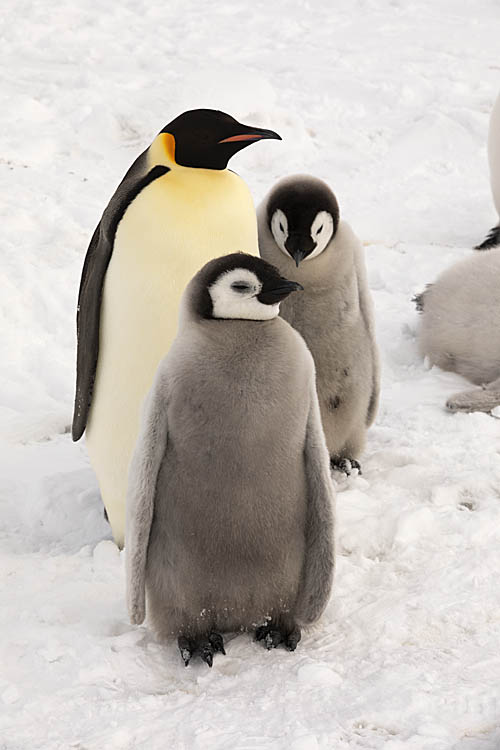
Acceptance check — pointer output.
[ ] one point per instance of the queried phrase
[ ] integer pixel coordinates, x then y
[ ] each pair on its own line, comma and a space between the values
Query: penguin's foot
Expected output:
345, 465
492, 239
205, 648
272, 635
418, 299
482, 399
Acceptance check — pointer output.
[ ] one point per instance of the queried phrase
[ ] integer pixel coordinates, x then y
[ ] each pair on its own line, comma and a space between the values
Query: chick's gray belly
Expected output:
344, 377
227, 543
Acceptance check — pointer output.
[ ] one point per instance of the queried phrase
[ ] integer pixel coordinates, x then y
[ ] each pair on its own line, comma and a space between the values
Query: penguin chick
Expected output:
300, 233
177, 207
493, 237
230, 500
459, 328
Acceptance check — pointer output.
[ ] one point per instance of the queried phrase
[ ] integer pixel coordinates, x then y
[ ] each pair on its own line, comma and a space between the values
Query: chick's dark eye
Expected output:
319, 230
240, 286
282, 227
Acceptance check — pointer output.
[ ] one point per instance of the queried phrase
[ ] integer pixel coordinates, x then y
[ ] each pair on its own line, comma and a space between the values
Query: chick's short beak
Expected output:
299, 247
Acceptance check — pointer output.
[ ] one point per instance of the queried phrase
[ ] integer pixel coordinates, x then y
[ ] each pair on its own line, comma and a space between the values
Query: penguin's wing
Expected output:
319, 561
143, 474
92, 282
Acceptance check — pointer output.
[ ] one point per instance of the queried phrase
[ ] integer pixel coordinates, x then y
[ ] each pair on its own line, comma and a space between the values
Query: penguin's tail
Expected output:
492, 239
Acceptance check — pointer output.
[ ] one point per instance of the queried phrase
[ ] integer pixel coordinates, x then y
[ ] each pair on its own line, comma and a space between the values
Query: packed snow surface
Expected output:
389, 102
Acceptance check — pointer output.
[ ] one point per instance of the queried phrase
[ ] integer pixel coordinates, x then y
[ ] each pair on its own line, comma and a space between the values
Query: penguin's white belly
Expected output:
494, 153
166, 235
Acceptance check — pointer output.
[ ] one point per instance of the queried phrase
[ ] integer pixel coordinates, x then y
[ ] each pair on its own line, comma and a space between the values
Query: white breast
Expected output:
175, 225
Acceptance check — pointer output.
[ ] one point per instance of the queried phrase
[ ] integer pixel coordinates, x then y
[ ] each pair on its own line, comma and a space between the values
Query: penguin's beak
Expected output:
300, 255
249, 134
299, 247
271, 295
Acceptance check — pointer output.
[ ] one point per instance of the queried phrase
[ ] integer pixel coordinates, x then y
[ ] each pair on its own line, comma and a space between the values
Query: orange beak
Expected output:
245, 137
248, 133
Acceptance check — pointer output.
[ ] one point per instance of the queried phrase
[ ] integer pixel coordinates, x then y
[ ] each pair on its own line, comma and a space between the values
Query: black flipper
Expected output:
92, 282
492, 239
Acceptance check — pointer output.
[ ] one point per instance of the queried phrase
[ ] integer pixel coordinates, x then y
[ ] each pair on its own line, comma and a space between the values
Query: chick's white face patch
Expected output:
279, 228
234, 296
321, 232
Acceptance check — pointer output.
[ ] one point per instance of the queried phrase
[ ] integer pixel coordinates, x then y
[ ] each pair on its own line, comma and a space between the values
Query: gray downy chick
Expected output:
230, 500
300, 232
459, 328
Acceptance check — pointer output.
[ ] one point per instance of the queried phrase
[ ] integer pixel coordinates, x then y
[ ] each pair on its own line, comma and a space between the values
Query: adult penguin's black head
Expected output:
207, 138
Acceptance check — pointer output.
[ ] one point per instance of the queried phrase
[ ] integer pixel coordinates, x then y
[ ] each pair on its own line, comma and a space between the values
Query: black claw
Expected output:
217, 643
261, 632
205, 648
273, 639
207, 654
345, 465
492, 239
418, 299
292, 640
272, 635
185, 649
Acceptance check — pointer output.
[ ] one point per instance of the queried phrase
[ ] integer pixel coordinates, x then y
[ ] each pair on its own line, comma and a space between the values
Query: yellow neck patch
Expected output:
162, 150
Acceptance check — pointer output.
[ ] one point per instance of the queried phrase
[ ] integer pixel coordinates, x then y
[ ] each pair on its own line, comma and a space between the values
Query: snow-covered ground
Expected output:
388, 101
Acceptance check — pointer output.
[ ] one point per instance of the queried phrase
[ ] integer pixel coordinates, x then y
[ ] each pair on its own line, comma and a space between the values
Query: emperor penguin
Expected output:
177, 207
300, 232
493, 237
230, 499
459, 328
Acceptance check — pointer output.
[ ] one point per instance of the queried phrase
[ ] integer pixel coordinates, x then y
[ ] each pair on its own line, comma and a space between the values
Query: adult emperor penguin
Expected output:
300, 232
493, 237
459, 328
230, 500
176, 208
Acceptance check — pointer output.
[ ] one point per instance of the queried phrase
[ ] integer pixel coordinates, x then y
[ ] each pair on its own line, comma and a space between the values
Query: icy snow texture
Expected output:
389, 102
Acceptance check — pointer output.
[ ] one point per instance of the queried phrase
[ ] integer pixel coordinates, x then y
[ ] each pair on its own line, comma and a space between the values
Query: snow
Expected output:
389, 102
